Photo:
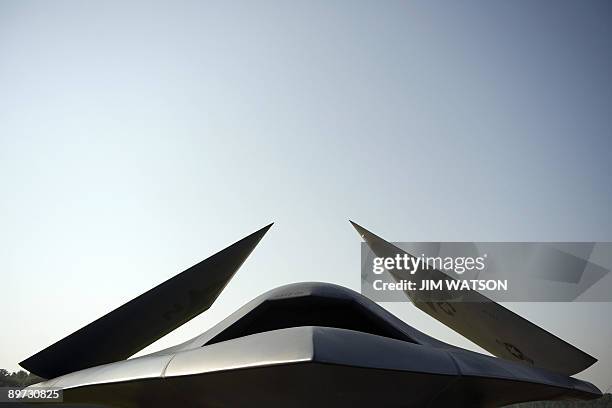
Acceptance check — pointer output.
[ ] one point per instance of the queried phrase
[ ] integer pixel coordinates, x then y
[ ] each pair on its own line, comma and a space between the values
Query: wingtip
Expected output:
262, 231
360, 230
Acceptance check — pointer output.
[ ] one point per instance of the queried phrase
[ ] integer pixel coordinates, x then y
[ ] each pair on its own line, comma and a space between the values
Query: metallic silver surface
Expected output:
314, 344
490, 325
131, 327
422, 356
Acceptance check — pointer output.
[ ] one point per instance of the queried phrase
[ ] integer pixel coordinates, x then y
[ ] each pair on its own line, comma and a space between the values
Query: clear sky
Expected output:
137, 138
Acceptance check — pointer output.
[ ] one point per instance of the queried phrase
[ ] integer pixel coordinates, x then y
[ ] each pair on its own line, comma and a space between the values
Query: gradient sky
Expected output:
137, 138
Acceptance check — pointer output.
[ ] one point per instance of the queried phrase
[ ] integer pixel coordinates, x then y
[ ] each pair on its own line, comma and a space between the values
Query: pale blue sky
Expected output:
137, 138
